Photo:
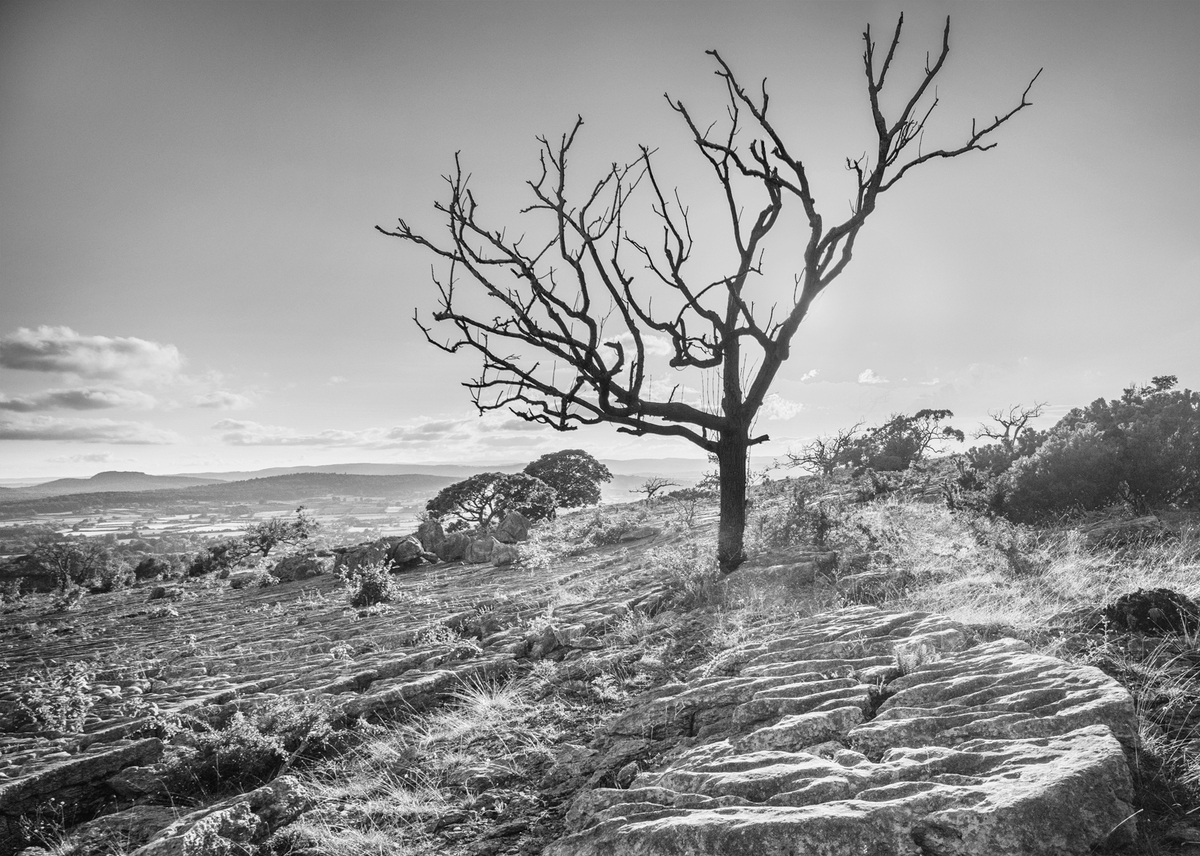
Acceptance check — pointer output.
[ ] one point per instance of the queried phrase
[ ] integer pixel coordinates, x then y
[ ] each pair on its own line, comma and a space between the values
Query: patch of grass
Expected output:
441, 776
689, 570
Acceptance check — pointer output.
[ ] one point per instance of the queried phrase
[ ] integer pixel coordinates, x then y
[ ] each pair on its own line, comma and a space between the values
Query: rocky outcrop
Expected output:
480, 549
74, 779
513, 528
454, 548
349, 559
407, 552
431, 534
229, 826
867, 731
1118, 533
301, 566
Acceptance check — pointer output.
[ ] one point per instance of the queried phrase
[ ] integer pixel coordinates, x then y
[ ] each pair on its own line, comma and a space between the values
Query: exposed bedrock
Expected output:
864, 731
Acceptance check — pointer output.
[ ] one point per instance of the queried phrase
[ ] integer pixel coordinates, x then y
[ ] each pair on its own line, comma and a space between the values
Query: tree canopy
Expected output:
485, 498
574, 474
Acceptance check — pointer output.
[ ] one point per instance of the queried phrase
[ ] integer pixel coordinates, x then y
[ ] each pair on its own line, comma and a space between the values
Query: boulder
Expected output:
349, 559
505, 554
1118, 533
638, 533
300, 567
513, 528
137, 782
1154, 611
233, 825
481, 549
408, 551
454, 548
431, 534
245, 579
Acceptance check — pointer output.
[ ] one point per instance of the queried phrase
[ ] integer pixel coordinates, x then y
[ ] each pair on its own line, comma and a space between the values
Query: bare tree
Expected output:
565, 343
1013, 422
653, 485
825, 454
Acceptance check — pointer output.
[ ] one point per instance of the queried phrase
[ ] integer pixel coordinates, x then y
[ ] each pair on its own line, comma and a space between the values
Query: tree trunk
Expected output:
731, 461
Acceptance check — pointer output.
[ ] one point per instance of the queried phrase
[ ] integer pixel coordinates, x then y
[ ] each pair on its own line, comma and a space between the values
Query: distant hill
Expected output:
296, 488
105, 482
686, 468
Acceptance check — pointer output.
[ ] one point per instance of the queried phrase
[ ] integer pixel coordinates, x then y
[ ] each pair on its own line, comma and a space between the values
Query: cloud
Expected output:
78, 399
84, 431
61, 349
92, 458
933, 382
808, 375
654, 346
454, 435
337, 378
777, 407
244, 433
517, 424
869, 376
222, 400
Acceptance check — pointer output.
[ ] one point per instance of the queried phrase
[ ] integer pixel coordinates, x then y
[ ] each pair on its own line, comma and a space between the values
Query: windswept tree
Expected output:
264, 537
580, 291
484, 498
574, 474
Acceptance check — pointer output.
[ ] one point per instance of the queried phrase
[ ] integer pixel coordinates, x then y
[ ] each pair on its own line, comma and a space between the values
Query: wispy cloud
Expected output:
777, 407
91, 458
84, 431
654, 346
869, 376
78, 399
808, 375
492, 430
223, 400
61, 349
244, 433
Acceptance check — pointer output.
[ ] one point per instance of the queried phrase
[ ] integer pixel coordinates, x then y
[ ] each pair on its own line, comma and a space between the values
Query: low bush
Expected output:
57, 699
1142, 449
798, 517
689, 570
222, 556
113, 576
252, 748
370, 584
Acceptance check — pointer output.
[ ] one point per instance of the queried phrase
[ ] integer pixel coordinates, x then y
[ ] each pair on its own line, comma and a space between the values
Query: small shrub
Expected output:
220, 557
250, 750
370, 584
58, 699
798, 519
158, 568
10, 591
114, 576
689, 571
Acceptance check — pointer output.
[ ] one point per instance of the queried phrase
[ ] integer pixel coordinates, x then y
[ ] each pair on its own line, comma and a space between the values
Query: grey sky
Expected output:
204, 179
